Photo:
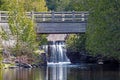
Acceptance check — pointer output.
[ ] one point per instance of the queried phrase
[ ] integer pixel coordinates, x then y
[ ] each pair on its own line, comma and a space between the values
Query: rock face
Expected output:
26, 62
24, 65
76, 57
43, 59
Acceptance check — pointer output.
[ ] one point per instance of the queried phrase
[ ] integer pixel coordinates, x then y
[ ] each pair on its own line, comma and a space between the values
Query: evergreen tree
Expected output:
76, 5
62, 4
57, 5
52, 4
103, 28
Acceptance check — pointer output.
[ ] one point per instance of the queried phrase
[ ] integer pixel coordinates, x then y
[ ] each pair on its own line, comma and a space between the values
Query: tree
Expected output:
35, 5
3, 5
57, 5
52, 4
22, 28
29, 5
76, 5
76, 42
103, 28
62, 4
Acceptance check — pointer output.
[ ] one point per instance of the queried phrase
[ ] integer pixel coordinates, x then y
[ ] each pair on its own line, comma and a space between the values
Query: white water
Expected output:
59, 63
58, 53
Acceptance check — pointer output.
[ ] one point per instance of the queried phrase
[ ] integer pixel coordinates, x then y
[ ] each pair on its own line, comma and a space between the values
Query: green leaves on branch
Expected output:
22, 28
76, 42
104, 28
27, 5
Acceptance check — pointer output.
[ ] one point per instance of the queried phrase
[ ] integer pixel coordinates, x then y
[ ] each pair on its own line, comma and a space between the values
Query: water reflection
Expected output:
23, 74
62, 72
95, 72
57, 72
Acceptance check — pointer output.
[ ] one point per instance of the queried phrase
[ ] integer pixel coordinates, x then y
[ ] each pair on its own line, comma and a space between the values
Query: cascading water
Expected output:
57, 52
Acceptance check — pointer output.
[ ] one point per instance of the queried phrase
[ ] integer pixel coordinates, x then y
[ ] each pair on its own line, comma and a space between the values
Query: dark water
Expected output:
63, 72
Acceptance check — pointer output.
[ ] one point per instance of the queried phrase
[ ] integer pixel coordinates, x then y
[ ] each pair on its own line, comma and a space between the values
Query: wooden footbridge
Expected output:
54, 22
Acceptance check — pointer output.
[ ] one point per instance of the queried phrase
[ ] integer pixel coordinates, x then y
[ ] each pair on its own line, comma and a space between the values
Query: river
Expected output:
59, 68
62, 72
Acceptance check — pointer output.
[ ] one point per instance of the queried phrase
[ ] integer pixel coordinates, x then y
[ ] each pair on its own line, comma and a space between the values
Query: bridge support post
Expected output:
63, 16
43, 17
73, 15
53, 15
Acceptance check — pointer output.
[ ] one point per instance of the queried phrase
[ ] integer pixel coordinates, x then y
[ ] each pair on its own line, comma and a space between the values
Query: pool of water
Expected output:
63, 72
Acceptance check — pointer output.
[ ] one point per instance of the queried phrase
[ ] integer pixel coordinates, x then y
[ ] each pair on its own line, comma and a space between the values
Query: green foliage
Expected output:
57, 5
52, 4
104, 29
22, 28
66, 5
62, 4
35, 5
76, 5
28, 5
76, 42
3, 5
1, 58
42, 39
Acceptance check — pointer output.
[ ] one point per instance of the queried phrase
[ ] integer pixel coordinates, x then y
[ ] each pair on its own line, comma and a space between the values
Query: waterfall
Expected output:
57, 52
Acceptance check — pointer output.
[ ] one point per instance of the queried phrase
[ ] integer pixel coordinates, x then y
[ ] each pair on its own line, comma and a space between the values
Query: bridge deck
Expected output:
54, 22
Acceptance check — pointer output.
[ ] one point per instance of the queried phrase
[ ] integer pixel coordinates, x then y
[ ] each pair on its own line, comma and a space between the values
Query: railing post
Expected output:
43, 17
53, 16
63, 16
32, 15
73, 15
83, 17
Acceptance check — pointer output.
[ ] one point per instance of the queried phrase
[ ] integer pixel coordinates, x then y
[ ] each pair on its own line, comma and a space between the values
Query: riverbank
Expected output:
24, 61
77, 58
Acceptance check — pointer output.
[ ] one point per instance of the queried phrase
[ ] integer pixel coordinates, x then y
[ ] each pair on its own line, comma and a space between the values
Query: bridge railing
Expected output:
3, 16
51, 16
